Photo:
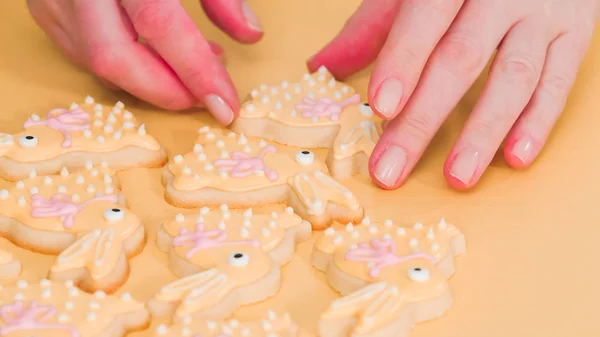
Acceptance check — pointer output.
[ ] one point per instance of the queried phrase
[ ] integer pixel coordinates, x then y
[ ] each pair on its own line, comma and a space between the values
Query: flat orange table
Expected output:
532, 236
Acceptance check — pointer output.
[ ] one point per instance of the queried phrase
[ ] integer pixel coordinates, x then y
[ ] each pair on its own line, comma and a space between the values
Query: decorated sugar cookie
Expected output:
271, 325
227, 258
315, 112
49, 309
390, 277
70, 137
227, 168
78, 215
9, 266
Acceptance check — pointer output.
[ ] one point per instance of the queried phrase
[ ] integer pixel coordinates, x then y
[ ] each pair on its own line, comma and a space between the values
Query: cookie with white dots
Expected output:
9, 266
227, 258
68, 137
79, 216
272, 324
390, 277
48, 308
315, 112
229, 168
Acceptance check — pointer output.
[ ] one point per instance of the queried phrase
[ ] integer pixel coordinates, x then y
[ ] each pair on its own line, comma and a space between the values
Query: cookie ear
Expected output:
315, 190
6, 143
98, 252
193, 294
363, 312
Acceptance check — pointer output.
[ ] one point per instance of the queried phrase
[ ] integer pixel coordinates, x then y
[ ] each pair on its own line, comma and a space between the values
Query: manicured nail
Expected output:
251, 18
219, 109
523, 149
388, 96
390, 166
465, 165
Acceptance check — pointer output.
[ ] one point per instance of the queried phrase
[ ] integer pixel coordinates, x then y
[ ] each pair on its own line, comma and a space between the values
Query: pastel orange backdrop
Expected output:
531, 268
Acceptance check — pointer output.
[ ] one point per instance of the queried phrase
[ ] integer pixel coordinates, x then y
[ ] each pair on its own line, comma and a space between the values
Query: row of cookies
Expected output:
222, 167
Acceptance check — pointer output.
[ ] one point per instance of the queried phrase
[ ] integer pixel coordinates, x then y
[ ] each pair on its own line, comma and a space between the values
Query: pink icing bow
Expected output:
64, 121
383, 254
325, 107
242, 164
201, 239
62, 205
18, 318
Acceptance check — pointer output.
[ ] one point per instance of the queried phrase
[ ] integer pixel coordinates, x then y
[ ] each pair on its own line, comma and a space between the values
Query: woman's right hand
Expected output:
176, 68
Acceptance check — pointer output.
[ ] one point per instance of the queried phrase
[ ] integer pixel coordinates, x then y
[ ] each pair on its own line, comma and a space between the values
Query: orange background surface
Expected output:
533, 236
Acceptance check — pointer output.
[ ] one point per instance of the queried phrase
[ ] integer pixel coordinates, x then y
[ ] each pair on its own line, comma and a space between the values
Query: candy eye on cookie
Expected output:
28, 141
238, 259
418, 274
114, 214
365, 109
305, 157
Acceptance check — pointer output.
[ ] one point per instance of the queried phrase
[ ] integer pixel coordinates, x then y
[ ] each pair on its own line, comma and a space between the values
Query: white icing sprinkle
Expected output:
418, 226
289, 210
20, 184
388, 223
22, 284
366, 221
350, 227
100, 294
329, 231
73, 292
413, 242
179, 217
265, 231
22, 201
69, 305
34, 190
400, 231
91, 316
32, 174
126, 297
4, 194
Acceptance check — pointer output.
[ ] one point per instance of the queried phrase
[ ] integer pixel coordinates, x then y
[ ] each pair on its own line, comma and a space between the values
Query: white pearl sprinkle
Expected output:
366, 221
178, 159
204, 210
413, 242
262, 143
126, 297
69, 305
22, 284
75, 197
128, 125
20, 184
22, 201
329, 231
47, 180
179, 217
4, 194
244, 232
418, 226
34, 190
62, 189
400, 231
338, 239
265, 99
87, 133
265, 231
388, 223
350, 227
91, 316
289, 210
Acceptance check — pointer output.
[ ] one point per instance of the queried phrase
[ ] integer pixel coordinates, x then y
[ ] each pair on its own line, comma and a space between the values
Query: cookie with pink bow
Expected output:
229, 168
48, 308
226, 258
315, 112
68, 137
390, 277
79, 216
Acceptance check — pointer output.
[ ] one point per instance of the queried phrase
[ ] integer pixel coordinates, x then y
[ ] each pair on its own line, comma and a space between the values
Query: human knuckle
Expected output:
461, 55
152, 19
418, 127
556, 85
520, 67
104, 62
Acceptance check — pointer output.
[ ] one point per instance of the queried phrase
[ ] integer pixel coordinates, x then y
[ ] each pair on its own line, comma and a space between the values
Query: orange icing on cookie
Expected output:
271, 325
60, 309
88, 127
315, 101
233, 247
397, 268
230, 162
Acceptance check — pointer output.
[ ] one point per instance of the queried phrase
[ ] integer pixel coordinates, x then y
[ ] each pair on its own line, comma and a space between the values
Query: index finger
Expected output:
166, 26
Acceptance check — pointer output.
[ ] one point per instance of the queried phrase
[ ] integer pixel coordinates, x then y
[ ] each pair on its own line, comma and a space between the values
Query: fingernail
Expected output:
388, 96
390, 166
251, 18
523, 149
465, 165
219, 109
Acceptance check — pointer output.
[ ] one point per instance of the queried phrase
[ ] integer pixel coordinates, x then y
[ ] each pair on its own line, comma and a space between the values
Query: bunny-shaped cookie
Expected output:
70, 137
225, 167
391, 277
